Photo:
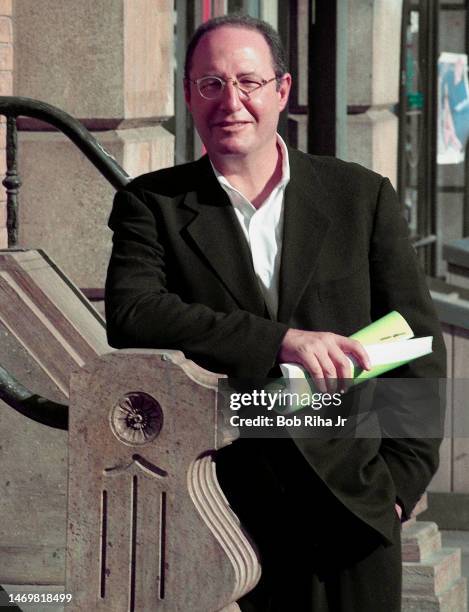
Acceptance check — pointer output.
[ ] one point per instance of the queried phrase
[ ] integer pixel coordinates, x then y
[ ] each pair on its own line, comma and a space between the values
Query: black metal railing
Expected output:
27, 403
12, 392
12, 107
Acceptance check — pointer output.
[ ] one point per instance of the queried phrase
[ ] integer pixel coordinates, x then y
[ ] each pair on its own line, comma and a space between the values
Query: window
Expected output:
434, 192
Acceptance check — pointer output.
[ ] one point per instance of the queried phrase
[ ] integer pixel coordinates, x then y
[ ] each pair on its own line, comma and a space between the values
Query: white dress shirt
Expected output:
263, 228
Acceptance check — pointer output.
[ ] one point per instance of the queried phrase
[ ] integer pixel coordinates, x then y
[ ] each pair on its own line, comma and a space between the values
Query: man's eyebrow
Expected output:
252, 73
238, 75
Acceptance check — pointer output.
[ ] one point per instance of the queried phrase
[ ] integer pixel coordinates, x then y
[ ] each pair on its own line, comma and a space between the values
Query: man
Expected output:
257, 254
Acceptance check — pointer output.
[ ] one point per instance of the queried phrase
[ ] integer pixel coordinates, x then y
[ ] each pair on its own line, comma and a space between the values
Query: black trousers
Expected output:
316, 555
369, 581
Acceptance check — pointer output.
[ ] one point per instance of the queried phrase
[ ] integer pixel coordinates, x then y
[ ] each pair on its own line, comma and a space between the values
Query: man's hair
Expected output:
246, 22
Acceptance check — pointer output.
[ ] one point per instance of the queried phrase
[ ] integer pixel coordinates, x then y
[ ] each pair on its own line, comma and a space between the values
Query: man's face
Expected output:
234, 124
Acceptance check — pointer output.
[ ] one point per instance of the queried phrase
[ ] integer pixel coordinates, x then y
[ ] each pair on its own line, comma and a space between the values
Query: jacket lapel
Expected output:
304, 232
219, 239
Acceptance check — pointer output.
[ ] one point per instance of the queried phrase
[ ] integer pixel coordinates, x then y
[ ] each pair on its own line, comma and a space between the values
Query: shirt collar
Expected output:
281, 184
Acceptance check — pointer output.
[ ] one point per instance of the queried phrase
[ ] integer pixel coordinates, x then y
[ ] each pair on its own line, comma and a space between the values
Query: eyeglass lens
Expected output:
212, 87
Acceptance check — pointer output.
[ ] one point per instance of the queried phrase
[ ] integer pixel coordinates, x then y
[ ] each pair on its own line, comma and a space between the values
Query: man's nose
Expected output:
231, 96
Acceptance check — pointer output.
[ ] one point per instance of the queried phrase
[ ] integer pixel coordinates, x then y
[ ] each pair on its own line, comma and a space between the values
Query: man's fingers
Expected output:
311, 363
329, 373
355, 348
323, 370
324, 355
343, 367
342, 363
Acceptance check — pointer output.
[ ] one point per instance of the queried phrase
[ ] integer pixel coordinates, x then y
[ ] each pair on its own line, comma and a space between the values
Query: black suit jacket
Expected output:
181, 276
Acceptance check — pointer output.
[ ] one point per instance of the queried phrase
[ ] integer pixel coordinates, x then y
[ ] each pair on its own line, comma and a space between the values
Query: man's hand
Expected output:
323, 354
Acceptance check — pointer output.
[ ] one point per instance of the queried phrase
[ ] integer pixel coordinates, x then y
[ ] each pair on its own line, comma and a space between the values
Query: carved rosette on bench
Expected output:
148, 525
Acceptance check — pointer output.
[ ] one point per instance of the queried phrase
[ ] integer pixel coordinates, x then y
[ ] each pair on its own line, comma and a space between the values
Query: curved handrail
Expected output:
14, 106
16, 395
33, 406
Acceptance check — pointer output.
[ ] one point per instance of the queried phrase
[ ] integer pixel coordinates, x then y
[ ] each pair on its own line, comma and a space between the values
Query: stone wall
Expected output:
110, 65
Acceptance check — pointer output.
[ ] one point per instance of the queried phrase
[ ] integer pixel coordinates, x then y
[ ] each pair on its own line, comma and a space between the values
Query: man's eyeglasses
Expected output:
211, 87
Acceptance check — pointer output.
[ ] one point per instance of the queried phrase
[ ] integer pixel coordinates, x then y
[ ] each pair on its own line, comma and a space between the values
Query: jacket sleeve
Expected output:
397, 283
142, 313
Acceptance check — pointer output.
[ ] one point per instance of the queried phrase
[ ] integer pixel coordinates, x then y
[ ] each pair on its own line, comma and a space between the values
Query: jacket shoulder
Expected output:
335, 168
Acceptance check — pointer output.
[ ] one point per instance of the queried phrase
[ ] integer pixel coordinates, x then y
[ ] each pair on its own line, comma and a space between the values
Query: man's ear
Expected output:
187, 93
284, 90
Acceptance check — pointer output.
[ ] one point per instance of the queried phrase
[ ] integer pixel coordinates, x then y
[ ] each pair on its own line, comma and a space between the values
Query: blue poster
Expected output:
453, 108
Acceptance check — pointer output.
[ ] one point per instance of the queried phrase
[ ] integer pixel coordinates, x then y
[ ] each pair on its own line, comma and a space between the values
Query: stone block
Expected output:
372, 141
5, 7
148, 489
6, 56
434, 575
112, 60
145, 149
374, 43
453, 599
420, 540
6, 83
65, 203
420, 506
5, 30
148, 59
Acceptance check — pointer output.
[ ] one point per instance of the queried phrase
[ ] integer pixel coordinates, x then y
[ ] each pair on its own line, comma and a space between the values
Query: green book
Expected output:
389, 342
